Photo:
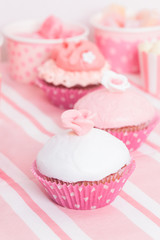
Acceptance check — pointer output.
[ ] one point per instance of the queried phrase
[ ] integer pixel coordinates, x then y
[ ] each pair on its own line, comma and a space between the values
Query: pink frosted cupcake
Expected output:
120, 110
74, 70
80, 168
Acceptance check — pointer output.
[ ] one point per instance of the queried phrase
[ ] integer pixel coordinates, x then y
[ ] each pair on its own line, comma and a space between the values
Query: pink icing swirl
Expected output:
80, 121
82, 56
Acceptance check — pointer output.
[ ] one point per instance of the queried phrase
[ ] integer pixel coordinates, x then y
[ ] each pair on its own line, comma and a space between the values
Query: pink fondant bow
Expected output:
80, 121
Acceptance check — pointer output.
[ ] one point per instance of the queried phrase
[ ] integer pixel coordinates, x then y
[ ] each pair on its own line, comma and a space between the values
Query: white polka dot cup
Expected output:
26, 54
120, 45
85, 196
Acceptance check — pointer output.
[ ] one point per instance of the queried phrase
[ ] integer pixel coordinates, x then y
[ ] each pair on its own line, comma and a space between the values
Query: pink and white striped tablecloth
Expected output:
27, 120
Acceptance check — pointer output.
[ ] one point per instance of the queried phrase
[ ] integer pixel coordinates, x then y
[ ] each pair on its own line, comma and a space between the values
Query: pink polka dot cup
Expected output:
83, 195
25, 54
120, 45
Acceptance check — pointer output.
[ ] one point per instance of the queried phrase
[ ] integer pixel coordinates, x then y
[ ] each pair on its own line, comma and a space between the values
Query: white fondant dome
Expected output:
90, 157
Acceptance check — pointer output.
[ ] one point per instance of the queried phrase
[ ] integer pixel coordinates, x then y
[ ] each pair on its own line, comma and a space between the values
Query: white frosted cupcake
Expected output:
83, 168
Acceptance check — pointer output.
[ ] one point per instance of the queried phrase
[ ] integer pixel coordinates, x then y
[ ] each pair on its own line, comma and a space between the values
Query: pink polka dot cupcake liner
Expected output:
133, 137
85, 195
62, 97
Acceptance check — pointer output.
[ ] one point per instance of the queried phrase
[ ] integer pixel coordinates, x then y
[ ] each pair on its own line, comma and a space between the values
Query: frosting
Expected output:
117, 16
81, 56
80, 121
115, 110
115, 82
91, 157
51, 73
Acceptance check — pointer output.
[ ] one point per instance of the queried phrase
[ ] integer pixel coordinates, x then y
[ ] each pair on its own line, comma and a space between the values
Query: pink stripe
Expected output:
36, 96
35, 122
153, 145
27, 199
16, 145
106, 223
12, 226
139, 207
157, 128
145, 175
145, 67
158, 76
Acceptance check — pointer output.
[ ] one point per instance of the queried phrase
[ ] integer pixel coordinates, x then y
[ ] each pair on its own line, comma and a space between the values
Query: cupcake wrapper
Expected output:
62, 97
85, 197
133, 138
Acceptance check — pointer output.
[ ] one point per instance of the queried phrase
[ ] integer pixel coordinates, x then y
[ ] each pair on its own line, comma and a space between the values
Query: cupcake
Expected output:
83, 168
120, 110
73, 70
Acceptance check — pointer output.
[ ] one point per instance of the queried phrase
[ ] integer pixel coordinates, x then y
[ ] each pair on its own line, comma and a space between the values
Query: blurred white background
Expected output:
70, 10
67, 10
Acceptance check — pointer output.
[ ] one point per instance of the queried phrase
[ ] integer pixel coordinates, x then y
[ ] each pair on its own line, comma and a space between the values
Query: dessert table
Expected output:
27, 121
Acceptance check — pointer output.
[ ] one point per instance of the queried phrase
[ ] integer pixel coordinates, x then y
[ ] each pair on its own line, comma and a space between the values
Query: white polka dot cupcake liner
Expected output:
133, 137
63, 97
85, 195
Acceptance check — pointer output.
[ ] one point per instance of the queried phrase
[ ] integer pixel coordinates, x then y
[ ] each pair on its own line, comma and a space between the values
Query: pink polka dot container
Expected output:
25, 54
85, 195
120, 45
